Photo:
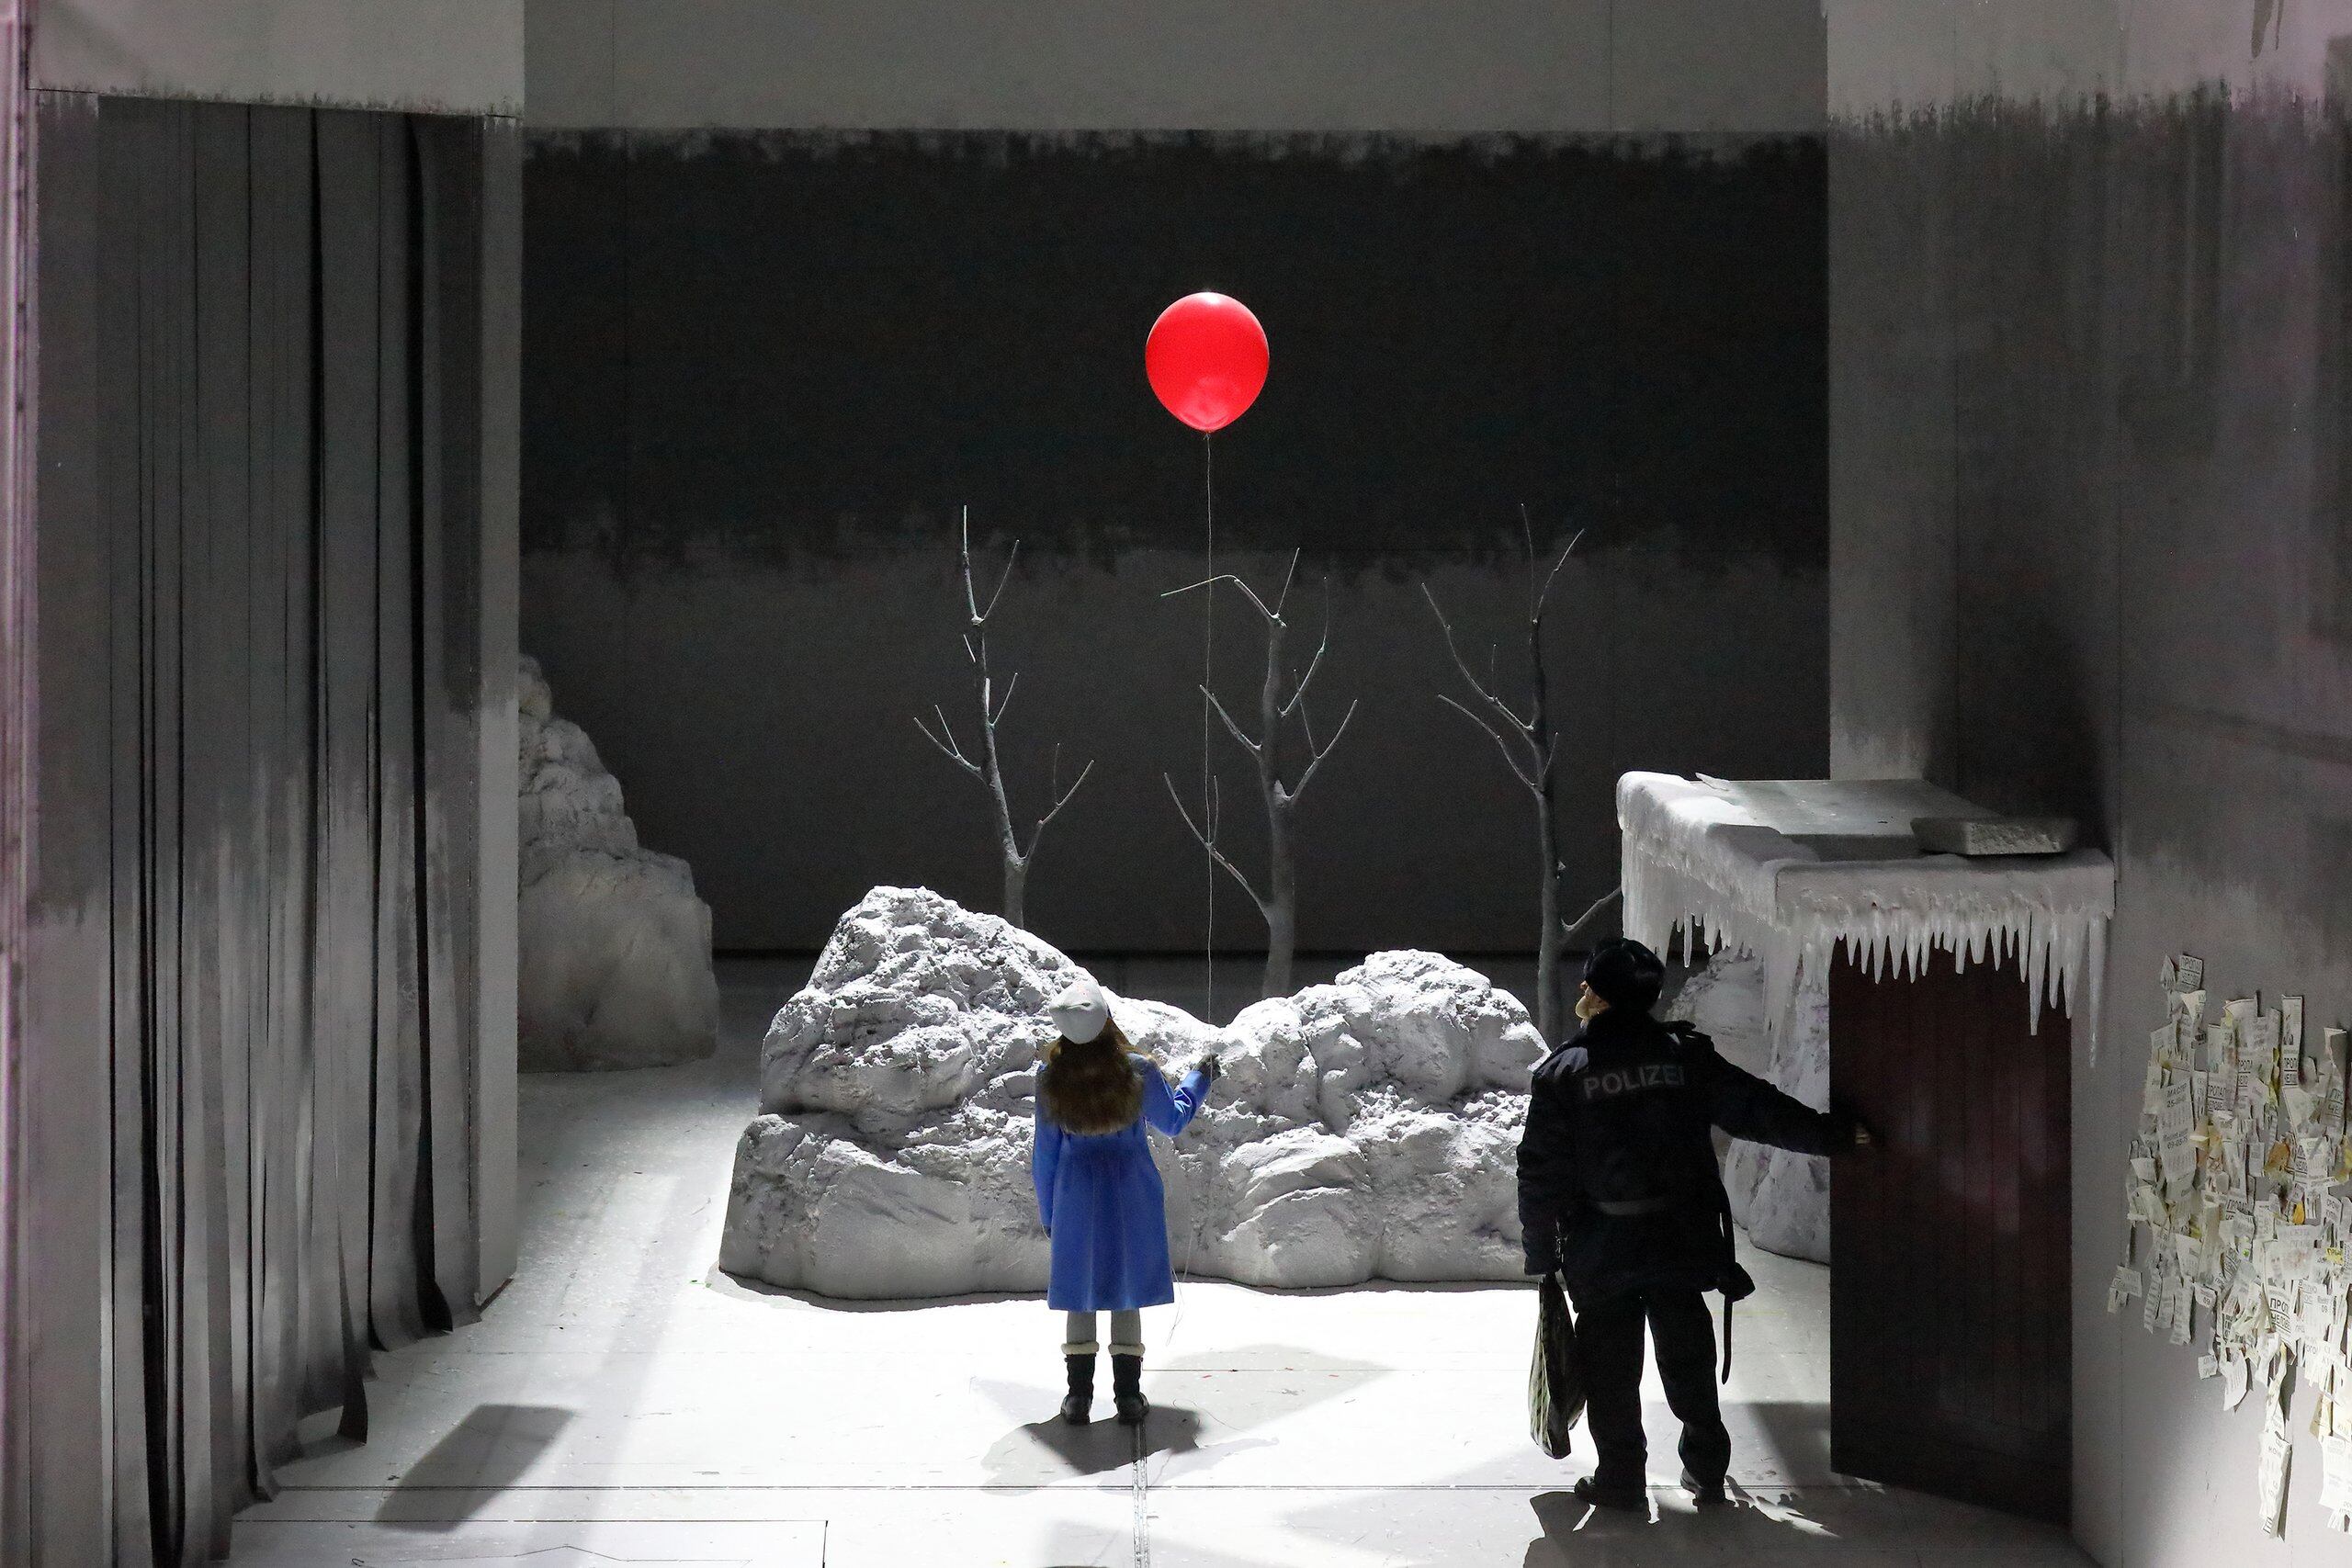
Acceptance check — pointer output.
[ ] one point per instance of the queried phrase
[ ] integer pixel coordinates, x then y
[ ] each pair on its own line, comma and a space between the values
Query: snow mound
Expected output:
1366, 1129
1782, 1199
614, 946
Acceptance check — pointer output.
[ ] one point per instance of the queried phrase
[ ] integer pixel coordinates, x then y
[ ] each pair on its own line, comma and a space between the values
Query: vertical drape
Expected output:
18, 728
258, 536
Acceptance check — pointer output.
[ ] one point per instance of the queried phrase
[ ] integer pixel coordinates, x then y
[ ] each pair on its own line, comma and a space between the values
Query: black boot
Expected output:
1127, 1389
1626, 1499
1077, 1406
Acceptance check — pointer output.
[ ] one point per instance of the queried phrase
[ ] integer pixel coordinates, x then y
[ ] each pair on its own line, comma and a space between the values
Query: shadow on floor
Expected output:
1576, 1532
488, 1451
1799, 1433
1848, 1522
1041, 1452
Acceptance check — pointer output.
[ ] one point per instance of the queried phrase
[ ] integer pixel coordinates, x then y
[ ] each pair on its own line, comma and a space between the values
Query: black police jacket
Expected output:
1618, 1184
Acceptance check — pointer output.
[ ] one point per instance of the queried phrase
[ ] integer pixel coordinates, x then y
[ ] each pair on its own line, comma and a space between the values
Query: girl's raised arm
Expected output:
1172, 1111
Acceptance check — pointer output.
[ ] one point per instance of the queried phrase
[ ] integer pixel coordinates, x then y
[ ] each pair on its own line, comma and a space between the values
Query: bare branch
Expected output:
1225, 576
1063, 798
1284, 597
1500, 708
1010, 558
979, 617
1527, 533
1010, 687
947, 746
1501, 744
1317, 662
1545, 597
1209, 844
1252, 747
1575, 929
971, 602
1317, 753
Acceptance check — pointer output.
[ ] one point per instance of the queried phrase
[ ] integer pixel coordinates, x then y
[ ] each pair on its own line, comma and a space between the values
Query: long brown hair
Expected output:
1092, 1087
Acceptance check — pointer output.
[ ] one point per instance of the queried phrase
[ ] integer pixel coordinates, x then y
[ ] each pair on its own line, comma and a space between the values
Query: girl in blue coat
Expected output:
1099, 1193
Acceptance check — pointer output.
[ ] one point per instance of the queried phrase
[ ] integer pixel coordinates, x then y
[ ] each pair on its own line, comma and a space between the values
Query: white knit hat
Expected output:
1081, 1013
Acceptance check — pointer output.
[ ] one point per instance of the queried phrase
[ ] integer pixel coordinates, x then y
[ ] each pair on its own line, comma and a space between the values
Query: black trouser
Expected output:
1608, 1344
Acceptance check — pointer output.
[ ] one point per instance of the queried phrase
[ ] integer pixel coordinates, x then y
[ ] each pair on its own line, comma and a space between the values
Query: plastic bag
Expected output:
1555, 1379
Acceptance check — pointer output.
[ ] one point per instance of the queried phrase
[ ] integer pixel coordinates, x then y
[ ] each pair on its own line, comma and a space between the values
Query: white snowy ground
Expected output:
622, 1401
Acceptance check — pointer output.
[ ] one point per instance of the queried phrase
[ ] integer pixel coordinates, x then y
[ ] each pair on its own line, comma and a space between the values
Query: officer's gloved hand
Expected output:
1210, 1068
1542, 1252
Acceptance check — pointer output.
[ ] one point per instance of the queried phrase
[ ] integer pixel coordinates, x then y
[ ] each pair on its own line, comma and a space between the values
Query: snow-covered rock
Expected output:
614, 946
1782, 1199
1363, 1130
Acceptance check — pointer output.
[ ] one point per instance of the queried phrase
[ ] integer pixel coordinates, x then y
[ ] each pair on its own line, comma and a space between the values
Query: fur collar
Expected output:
1094, 1088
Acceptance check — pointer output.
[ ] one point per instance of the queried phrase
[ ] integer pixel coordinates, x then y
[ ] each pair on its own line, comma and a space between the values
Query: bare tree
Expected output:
1276, 754
989, 768
1531, 748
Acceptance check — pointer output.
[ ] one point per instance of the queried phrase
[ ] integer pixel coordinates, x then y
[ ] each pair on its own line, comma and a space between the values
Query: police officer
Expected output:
1619, 1190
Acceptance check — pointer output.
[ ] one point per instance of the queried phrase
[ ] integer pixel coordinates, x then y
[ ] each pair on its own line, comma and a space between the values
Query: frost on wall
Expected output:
1779, 1198
1366, 1129
614, 947
1789, 871
2240, 1148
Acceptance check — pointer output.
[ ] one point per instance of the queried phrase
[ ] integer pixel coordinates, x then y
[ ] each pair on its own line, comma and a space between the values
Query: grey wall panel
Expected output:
445, 56
121, 467
398, 1111
1412, 65
246, 907
450, 673
223, 934
297, 1352
63, 1079
1892, 553
346, 318
498, 594
2141, 390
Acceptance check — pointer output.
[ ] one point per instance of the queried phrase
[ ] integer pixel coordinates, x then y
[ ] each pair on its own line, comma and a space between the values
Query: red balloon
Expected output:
1207, 358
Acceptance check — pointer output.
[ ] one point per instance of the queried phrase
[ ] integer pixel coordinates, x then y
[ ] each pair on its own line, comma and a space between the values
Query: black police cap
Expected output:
1625, 974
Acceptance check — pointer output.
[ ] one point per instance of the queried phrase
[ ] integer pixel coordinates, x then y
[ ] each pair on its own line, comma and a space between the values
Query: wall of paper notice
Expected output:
2237, 1170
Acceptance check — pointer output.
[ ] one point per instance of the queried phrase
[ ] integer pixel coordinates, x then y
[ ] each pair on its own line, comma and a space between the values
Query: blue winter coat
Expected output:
1100, 1199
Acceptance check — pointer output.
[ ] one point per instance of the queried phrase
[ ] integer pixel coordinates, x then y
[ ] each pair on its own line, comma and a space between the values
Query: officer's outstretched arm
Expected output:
1747, 1107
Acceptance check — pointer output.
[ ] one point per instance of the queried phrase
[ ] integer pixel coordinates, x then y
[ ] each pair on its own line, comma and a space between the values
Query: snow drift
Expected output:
1781, 1198
614, 946
1363, 1130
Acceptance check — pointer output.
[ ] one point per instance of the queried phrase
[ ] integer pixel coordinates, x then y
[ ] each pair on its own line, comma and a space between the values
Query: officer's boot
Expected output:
1077, 1404
1126, 1388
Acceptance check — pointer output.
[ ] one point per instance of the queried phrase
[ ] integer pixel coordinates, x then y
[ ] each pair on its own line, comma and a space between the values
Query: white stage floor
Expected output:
622, 1401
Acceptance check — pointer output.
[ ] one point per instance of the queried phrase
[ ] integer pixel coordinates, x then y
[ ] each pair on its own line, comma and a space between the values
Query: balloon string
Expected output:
1208, 685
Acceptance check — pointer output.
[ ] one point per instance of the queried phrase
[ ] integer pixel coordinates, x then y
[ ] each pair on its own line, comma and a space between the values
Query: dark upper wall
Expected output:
797, 346
2089, 552
763, 371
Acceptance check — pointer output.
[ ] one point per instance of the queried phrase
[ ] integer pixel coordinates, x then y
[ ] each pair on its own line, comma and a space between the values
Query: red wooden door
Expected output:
1949, 1289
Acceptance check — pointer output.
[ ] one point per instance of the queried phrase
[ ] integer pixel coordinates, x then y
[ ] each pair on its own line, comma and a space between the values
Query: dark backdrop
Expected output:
761, 372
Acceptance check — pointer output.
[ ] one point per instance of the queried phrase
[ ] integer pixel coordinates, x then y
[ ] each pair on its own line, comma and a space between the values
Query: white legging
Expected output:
1126, 1334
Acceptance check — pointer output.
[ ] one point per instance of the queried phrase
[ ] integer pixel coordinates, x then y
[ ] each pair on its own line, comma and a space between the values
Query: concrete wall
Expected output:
1428, 67
2091, 550
434, 56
